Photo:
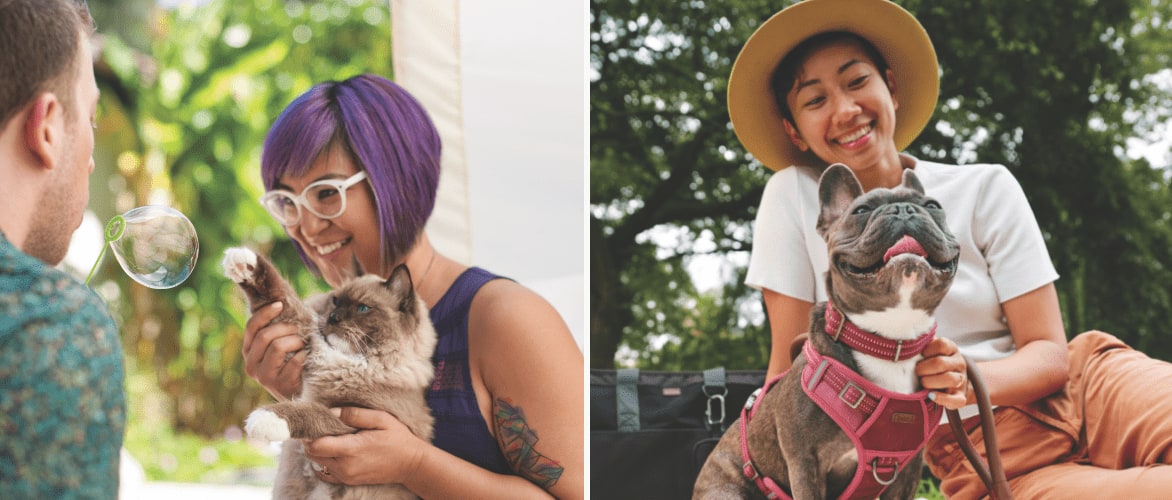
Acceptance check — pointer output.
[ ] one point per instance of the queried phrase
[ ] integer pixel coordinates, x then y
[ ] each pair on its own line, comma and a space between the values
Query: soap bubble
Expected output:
155, 245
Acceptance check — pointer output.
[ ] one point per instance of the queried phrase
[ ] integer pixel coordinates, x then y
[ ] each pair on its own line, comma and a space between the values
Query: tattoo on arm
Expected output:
517, 442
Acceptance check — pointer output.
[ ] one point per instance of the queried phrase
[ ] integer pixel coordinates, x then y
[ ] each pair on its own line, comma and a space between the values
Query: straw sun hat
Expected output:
891, 29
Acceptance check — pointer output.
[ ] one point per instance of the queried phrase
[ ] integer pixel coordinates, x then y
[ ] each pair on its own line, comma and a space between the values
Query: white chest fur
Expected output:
898, 376
902, 322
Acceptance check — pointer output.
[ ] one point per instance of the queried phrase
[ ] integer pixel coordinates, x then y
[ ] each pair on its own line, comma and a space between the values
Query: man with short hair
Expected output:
62, 407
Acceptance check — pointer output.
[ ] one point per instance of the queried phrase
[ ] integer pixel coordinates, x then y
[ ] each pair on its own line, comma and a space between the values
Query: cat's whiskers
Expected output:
358, 341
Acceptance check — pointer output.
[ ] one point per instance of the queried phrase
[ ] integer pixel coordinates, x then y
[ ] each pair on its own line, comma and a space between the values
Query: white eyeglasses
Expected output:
325, 199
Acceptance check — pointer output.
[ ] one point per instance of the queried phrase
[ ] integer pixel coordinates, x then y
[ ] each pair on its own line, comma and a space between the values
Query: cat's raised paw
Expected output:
266, 425
239, 264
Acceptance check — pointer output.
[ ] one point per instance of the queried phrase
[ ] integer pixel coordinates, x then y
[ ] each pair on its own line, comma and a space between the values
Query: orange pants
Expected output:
1108, 434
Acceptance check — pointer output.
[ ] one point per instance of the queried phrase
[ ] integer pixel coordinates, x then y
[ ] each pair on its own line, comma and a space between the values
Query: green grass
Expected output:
929, 488
182, 457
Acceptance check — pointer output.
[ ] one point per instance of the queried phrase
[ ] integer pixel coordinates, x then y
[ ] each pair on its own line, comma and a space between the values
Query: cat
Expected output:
369, 344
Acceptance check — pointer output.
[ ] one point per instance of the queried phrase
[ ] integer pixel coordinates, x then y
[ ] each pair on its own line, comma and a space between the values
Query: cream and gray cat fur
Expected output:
369, 344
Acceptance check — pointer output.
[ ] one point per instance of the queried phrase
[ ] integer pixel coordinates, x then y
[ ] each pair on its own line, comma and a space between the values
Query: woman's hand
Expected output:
273, 353
382, 451
943, 370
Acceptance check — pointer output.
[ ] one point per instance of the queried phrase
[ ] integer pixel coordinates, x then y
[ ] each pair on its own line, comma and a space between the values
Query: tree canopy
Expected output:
1053, 90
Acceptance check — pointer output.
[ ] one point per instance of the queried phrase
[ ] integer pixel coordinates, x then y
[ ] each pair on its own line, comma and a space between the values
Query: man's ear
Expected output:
42, 128
794, 136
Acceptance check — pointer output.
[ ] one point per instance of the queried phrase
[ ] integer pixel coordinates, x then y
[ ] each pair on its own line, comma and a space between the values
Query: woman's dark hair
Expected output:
785, 75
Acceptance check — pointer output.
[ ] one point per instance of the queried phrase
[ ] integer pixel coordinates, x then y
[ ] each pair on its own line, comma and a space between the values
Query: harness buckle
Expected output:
753, 399
842, 395
750, 471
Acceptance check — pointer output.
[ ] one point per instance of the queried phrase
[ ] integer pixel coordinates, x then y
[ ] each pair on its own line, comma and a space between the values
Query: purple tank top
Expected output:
460, 429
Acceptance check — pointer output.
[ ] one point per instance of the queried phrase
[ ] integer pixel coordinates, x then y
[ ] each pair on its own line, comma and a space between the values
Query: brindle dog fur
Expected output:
790, 438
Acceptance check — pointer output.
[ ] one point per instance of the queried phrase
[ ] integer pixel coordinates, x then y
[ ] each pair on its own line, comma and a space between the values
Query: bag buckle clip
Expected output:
718, 398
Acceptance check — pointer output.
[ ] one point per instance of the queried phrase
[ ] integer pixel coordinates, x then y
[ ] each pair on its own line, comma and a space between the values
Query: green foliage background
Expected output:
187, 96
1051, 88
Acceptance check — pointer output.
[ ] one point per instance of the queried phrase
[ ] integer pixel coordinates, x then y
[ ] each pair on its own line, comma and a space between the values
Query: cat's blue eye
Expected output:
334, 300
363, 308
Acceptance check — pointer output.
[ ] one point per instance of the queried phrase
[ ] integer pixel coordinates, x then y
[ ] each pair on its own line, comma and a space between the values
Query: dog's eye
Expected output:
932, 204
863, 209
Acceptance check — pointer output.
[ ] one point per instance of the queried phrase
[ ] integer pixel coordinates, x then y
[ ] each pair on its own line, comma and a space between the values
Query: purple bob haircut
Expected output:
386, 132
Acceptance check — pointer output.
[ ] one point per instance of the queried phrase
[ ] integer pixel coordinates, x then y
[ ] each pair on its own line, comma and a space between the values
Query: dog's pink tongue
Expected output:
907, 244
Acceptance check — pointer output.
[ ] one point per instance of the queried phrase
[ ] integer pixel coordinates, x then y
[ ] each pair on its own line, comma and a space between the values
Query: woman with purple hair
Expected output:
351, 170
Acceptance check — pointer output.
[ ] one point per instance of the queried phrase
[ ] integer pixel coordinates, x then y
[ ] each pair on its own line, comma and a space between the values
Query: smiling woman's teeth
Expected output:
330, 248
855, 136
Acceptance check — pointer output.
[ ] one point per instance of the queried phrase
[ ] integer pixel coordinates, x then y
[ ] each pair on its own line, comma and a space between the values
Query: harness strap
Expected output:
766, 484
887, 428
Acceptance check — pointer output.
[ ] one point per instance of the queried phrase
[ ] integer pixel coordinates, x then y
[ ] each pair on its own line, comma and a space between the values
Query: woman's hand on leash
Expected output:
273, 353
943, 371
382, 451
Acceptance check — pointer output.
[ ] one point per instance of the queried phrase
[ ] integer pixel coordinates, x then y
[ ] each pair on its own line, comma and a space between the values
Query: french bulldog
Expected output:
892, 259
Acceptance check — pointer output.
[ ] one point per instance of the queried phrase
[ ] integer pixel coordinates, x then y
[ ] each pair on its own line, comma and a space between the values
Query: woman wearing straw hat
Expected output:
855, 81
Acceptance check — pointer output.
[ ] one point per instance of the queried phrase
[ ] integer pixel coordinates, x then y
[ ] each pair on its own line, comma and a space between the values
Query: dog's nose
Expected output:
903, 210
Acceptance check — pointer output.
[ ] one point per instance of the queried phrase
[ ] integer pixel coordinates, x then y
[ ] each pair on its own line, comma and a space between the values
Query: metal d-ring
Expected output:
875, 472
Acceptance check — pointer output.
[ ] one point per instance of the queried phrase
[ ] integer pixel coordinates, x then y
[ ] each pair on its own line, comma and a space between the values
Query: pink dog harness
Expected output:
887, 428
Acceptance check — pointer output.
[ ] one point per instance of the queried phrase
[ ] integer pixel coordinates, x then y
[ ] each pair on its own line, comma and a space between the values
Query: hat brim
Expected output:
897, 35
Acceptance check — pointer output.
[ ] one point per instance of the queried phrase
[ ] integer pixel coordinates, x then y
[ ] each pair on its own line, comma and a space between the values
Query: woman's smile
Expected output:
325, 250
855, 139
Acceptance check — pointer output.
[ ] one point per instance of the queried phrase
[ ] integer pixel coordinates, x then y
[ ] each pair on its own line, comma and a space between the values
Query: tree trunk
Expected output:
610, 300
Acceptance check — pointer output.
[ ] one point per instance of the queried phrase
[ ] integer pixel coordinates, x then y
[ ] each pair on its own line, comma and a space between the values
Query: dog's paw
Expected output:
267, 426
239, 264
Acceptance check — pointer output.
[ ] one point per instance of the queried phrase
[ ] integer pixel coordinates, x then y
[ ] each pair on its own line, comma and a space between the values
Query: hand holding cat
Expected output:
382, 451
273, 354
943, 370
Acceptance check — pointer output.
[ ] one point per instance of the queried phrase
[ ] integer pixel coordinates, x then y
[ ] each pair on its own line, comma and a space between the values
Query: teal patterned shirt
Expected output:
62, 408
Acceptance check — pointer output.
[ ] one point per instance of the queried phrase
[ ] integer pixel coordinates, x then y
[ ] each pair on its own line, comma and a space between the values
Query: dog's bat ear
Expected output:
912, 182
837, 189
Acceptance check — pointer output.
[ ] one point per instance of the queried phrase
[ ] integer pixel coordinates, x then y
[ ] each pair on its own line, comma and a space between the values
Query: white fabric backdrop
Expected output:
505, 83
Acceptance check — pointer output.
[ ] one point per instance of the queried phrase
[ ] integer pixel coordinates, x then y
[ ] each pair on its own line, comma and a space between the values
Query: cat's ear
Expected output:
402, 289
319, 303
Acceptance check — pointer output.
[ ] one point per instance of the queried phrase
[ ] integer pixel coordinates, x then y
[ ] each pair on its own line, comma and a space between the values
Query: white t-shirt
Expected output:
1002, 252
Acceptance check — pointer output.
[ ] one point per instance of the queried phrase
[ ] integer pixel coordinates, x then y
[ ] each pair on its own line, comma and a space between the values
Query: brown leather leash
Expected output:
992, 474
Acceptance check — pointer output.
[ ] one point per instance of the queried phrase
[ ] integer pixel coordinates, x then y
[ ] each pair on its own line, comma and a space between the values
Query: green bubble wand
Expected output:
155, 245
114, 230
